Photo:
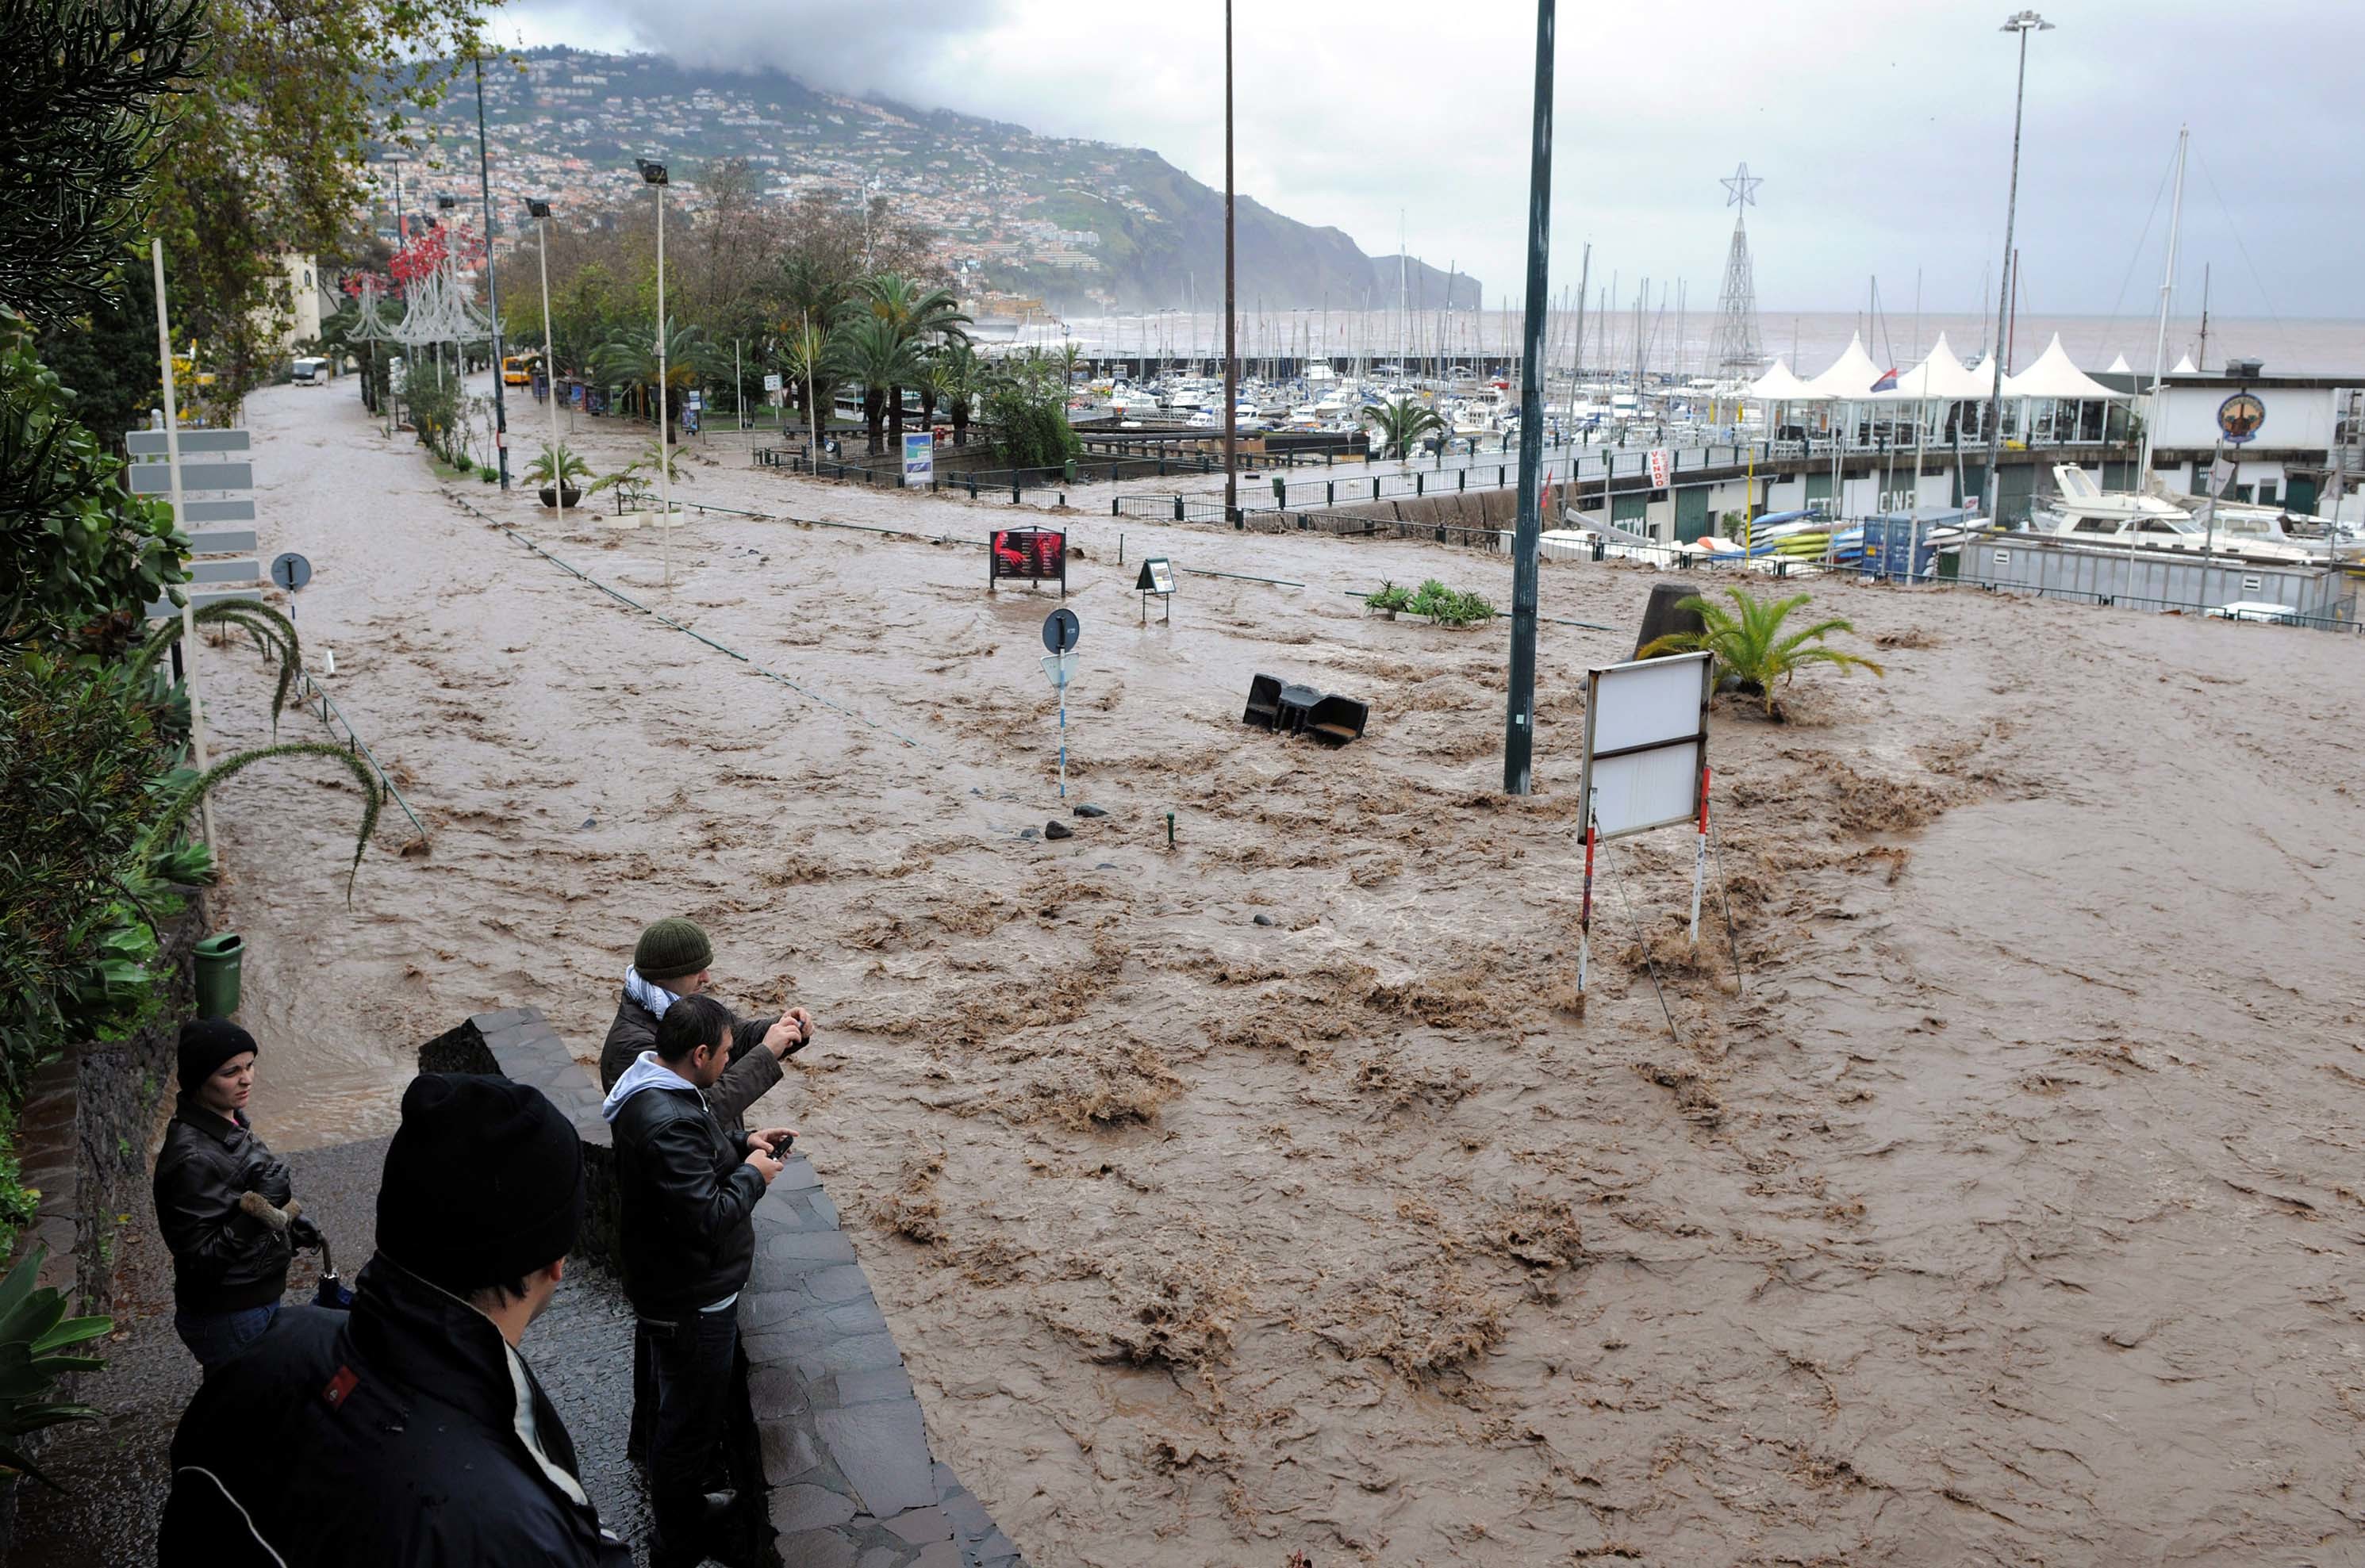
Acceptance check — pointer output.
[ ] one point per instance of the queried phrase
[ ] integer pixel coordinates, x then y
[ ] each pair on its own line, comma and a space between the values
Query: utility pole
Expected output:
492, 294
1520, 720
540, 211
1231, 283
2023, 23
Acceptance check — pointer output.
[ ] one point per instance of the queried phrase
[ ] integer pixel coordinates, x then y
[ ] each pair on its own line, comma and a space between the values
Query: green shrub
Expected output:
1442, 605
34, 1333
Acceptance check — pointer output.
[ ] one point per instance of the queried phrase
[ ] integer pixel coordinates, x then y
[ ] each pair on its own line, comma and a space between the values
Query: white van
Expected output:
311, 371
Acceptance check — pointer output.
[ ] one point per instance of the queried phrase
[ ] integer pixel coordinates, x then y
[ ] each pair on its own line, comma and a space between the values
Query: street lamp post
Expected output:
1231, 344
2023, 23
1520, 719
459, 350
492, 289
540, 211
655, 173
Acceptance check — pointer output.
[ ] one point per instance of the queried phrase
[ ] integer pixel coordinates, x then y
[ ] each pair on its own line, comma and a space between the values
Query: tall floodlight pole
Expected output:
655, 173
540, 212
492, 293
1231, 343
2023, 23
1519, 721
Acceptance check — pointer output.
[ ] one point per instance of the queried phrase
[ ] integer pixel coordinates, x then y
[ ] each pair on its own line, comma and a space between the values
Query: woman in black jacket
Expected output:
230, 1252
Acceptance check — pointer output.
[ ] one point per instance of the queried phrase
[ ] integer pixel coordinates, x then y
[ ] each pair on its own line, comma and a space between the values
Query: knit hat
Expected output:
483, 1182
671, 948
206, 1044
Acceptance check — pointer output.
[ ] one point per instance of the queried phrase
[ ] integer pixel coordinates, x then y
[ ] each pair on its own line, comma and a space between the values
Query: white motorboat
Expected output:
2085, 513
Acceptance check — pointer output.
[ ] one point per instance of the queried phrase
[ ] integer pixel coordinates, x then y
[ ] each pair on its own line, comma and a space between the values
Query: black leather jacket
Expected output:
685, 1192
752, 1070
223, 1259
401, 1434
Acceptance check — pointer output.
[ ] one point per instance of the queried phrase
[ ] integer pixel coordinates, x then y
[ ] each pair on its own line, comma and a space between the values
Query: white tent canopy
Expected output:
1780, 384
1851, 377
2054, 377
2184, 366
1941, 377
2119, 366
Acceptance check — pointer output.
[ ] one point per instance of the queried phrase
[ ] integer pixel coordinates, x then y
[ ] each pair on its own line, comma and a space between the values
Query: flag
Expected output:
1543, 503
1887, 382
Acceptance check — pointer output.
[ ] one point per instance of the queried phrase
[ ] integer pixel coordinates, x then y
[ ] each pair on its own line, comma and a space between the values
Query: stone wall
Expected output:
832, 1461
82, 1142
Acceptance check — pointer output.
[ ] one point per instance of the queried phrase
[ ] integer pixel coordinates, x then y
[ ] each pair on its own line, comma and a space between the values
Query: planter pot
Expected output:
550, 498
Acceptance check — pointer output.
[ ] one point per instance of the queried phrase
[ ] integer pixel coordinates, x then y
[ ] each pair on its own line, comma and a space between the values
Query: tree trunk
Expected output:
960, 421
873, 416
895, 416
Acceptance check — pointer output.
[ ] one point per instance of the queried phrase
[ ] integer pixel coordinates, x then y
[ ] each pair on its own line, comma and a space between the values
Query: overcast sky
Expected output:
1883, 130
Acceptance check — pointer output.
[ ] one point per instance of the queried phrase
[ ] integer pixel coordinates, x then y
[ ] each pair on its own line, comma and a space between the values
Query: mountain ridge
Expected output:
1080, 223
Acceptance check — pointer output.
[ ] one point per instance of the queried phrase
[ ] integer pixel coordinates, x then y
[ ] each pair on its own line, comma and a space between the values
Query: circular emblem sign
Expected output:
2240, 416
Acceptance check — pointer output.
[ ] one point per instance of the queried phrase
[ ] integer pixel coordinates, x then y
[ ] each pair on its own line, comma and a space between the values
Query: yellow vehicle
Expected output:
517, 371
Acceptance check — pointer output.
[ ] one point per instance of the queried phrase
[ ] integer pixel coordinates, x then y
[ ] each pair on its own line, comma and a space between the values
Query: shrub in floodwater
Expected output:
1449, 607
1751, 648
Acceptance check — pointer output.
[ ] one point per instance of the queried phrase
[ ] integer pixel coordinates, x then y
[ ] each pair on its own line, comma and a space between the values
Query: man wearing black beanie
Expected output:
411, 1431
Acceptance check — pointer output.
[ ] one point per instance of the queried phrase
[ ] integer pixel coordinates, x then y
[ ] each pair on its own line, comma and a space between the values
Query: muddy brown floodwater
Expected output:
2009, 1210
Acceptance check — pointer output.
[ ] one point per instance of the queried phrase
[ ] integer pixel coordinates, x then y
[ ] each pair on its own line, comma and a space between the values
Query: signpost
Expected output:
1645, 763
1060, 630
186, 649
1157, 577
1661, 463
1028, 555
919, 459
291, 572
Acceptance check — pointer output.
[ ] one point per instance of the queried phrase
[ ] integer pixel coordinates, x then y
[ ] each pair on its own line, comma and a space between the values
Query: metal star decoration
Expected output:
1742, 189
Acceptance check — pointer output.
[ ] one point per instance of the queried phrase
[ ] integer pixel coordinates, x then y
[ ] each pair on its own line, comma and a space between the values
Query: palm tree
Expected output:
1751, 651
631, 356
881, 360
1401, 423
915, 313
810, 359
964, 380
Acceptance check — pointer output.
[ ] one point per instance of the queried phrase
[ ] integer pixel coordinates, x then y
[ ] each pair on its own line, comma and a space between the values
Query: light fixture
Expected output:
536, 208
2025, 22
655, 173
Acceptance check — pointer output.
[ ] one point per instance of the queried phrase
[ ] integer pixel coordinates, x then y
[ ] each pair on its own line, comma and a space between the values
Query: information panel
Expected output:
1646, 743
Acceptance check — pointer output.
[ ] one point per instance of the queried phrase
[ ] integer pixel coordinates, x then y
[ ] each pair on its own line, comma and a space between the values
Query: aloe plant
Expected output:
34, 1334
273, 635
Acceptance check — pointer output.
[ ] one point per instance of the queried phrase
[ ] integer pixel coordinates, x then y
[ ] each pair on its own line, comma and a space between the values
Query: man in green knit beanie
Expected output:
671, 961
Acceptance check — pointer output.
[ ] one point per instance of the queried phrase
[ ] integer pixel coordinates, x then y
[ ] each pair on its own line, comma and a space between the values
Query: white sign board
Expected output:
1645, 743
771, 381
2220, 476
919, 458
1662, 463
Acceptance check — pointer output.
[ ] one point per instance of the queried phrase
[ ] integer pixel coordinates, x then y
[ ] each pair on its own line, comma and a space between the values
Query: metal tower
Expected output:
1736, 351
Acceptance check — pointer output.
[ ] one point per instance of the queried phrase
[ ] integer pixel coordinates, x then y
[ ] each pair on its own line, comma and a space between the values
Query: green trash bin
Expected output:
217, 965
1068, 470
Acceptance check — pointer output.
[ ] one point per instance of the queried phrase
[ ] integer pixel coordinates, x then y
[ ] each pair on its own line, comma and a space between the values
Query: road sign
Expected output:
291, 571
1060, 630
1662, 462
919, 459
771, 381
150, 444
156, 479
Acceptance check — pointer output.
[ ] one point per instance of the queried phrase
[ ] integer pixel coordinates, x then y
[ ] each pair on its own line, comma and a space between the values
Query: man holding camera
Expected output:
687, 1188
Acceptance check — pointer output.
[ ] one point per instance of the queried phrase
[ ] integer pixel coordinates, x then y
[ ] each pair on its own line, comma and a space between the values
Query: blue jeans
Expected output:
693, 1361
215, 1337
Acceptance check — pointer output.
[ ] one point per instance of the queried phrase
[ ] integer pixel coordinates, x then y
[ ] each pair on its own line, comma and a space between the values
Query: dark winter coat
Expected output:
224, 1260
405, 1432
752, 1071
684, 1195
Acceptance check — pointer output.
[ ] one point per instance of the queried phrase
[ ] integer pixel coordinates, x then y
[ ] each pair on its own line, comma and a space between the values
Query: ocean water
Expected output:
1808, 341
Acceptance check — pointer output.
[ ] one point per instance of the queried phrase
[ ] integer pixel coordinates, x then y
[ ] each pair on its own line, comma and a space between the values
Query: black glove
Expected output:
305, 1234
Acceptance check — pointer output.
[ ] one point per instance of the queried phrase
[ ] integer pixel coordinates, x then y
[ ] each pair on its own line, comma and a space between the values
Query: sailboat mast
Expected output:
2159, 340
